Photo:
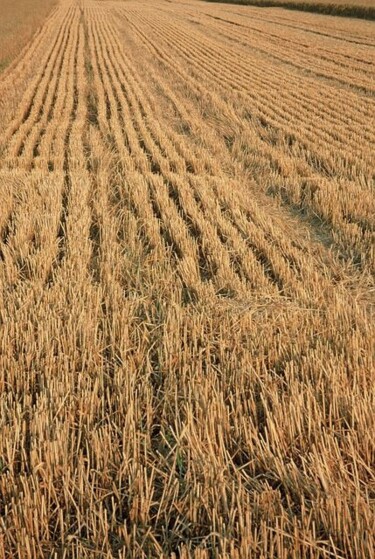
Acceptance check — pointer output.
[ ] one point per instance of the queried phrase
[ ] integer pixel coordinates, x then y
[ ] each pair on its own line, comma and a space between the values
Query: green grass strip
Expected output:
343, 10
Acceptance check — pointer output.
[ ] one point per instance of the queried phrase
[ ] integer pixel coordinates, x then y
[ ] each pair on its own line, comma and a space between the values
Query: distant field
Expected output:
18, 22
349, 8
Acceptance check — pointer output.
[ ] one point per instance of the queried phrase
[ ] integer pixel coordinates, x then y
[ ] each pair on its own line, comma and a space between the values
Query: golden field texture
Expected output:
19, 20
187, 285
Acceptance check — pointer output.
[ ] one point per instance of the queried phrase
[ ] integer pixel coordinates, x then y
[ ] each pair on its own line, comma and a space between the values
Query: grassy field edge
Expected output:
346, 10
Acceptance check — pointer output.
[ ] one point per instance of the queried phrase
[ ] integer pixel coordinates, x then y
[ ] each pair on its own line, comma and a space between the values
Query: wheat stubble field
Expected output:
187, 285
19, 20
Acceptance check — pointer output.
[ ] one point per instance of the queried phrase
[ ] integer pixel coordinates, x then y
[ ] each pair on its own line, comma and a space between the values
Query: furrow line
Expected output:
281, 88
170, 148
61, 154
271, 114
289, 257
49, 152
77, 215
211, 49
30, 150
143, 163
321, 65
122, 139
172, 177
32, 104
220, 262
348, 234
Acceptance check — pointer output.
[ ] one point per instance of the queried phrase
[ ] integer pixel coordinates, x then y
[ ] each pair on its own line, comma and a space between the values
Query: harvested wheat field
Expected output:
187, 265
19, 20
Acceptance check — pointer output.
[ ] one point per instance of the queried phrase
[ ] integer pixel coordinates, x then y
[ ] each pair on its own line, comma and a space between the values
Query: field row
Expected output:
315, 160
186, 289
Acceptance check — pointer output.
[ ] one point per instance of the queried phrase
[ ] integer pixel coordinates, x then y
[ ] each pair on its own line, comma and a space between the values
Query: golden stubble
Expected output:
186, 283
